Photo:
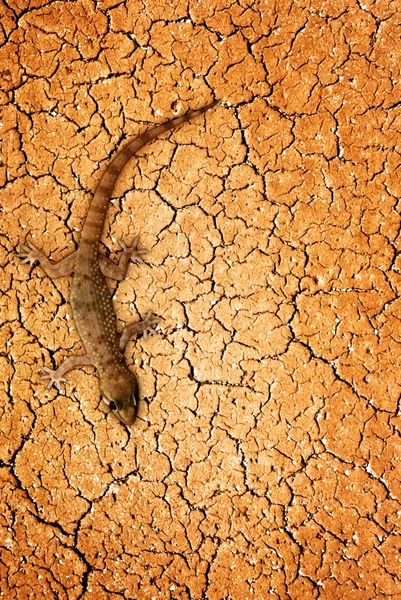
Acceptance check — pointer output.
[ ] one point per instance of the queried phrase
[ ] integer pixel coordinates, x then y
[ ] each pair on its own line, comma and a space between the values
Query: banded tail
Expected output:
93, 226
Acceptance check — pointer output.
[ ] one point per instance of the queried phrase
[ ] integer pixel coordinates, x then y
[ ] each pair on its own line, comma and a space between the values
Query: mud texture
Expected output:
265, 462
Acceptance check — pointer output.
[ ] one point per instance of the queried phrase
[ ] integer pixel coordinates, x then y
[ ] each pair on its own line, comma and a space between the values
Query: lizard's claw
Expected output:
149, 323
133, 251
29, 253
54, 378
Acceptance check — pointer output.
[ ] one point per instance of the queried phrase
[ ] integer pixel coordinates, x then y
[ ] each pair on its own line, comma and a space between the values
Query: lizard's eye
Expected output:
112, 405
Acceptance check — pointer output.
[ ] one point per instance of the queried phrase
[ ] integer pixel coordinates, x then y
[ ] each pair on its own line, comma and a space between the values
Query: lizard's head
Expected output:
120, 393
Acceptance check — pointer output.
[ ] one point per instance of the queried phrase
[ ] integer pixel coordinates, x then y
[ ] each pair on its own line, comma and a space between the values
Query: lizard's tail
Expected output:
94, 222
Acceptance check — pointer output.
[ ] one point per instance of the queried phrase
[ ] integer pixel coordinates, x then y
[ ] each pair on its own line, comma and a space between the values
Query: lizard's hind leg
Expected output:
129, 254
30, 254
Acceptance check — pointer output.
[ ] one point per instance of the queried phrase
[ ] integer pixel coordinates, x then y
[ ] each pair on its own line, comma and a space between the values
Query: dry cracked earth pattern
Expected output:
265, 462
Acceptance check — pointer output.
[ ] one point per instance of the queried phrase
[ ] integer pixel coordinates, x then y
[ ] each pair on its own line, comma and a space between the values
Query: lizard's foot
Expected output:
54, 378
148, 324
147, 327
29, 253
134, 254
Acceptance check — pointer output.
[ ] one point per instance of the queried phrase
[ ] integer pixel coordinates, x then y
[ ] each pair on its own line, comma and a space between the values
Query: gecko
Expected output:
90, 298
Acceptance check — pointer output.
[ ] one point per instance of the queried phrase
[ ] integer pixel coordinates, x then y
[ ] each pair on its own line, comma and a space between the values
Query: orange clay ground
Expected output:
265, 462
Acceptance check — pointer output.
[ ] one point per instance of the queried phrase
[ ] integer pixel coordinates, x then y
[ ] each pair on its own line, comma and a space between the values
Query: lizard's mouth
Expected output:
126, 413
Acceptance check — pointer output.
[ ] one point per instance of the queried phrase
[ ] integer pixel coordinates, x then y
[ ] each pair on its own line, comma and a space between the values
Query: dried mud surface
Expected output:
265, 462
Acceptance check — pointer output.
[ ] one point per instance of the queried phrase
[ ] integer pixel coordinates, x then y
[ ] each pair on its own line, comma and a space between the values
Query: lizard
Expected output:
90, 298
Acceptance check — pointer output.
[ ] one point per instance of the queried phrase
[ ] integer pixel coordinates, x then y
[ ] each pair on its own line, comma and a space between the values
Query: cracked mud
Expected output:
265, 462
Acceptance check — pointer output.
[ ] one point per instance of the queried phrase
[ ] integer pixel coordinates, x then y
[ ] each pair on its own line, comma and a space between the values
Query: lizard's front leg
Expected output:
146, 326
56, 377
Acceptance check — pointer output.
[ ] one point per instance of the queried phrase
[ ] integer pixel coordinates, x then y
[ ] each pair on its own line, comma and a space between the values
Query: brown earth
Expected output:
265, 462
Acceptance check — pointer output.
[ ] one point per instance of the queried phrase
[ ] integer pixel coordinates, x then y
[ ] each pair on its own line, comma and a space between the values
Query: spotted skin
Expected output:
90, 297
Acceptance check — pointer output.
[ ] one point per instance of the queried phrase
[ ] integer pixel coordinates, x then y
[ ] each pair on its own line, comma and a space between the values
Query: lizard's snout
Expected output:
120, 393
127, 414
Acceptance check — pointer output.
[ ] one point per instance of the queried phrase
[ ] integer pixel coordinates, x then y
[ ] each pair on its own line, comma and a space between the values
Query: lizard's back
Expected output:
90, 297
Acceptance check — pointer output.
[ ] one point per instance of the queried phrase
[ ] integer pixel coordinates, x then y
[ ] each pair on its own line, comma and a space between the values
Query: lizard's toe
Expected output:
54, 379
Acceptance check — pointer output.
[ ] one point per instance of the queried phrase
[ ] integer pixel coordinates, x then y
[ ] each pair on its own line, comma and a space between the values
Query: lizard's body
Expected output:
90, 297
